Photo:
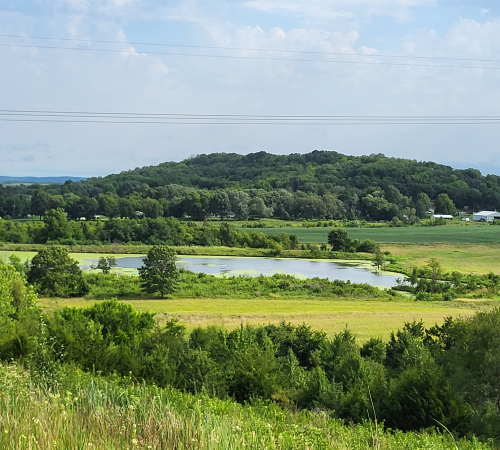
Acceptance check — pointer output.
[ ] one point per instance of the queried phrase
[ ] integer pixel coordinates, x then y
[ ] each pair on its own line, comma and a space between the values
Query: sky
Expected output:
154, 79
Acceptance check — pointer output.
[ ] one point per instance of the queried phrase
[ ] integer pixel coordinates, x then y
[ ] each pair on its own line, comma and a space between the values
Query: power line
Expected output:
241, 57
58, 113
248, 123
234, 119
213, 47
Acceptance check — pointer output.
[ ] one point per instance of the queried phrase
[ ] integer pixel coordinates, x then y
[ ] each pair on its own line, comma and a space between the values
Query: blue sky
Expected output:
144, 82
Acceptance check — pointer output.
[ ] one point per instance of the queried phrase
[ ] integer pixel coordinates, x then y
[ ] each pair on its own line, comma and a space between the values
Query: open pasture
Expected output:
365, 318
477, 259
451, 234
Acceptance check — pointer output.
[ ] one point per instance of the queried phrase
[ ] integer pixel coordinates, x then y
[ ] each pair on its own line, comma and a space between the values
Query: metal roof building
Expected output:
486, 216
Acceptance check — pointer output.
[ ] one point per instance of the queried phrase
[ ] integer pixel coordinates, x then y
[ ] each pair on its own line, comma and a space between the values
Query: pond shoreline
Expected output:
356, 271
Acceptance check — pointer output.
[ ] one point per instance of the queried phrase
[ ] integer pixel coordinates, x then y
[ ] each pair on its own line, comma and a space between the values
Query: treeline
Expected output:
318, 185
56, 228
420, 378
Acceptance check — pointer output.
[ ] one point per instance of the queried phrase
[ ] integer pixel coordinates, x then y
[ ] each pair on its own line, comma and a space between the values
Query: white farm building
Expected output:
486, 216
442, 216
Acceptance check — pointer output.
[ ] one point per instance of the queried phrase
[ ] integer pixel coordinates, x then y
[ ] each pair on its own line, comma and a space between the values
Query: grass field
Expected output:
365, 318
465, 258
453, 234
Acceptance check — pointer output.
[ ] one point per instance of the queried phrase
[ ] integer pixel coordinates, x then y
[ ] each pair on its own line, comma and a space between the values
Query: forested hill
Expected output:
318, 172
320, 184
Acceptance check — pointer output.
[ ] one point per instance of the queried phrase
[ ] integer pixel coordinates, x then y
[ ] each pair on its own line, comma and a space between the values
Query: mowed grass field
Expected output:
451, 234
365, 318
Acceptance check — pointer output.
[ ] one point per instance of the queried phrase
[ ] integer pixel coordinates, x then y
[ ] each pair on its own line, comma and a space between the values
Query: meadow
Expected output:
452, 234
365, 318
478, 259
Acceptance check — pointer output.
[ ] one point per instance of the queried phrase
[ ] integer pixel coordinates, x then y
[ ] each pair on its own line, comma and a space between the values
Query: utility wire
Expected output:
241, 57
377, 55
247, 123
208, 116
235, 119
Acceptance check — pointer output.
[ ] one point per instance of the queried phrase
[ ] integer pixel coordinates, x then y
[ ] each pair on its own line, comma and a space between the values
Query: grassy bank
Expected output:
89, 412
365, 318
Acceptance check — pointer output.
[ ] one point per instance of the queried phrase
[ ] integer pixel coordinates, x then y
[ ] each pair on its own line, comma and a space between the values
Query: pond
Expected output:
354, 271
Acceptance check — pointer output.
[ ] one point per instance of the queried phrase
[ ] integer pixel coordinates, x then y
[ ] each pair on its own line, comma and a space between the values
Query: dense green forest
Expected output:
320, 185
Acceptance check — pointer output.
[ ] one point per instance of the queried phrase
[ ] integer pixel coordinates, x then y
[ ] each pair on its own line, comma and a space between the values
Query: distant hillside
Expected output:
316, 185
318, 171
38, 180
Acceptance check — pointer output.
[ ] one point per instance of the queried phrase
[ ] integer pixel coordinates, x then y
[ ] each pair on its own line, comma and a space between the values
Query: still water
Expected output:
354, 272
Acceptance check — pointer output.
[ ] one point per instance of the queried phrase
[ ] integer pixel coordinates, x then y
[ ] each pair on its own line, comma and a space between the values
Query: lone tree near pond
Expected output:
55, 274
106, 263
159, 272
378, 260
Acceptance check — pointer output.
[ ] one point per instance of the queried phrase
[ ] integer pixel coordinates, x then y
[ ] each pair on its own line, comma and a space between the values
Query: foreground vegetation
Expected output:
85, 411
417, 379
438, 377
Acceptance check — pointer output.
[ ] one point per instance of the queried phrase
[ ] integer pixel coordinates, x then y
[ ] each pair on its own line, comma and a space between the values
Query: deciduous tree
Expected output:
56, 274
159, 272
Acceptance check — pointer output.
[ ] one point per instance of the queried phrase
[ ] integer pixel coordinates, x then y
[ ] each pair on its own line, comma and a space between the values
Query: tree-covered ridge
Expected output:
318, 171
317, 185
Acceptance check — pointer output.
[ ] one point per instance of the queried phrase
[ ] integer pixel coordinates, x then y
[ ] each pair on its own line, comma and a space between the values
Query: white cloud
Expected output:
142, 82
338, 9
97, 6
296, 39
310, 9
121, 3
473, 38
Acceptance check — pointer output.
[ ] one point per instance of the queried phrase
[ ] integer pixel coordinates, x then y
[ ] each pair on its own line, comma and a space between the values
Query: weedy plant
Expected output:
90, 412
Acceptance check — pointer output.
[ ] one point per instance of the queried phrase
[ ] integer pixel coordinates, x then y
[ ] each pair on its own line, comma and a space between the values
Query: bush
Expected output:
368, 246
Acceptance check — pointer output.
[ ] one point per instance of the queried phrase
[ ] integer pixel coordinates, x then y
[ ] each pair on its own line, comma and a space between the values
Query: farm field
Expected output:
452, 234
477, 259
365, 318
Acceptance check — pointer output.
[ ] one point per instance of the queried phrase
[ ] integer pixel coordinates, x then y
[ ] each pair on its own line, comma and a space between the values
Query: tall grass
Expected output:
90, 412
200, 285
